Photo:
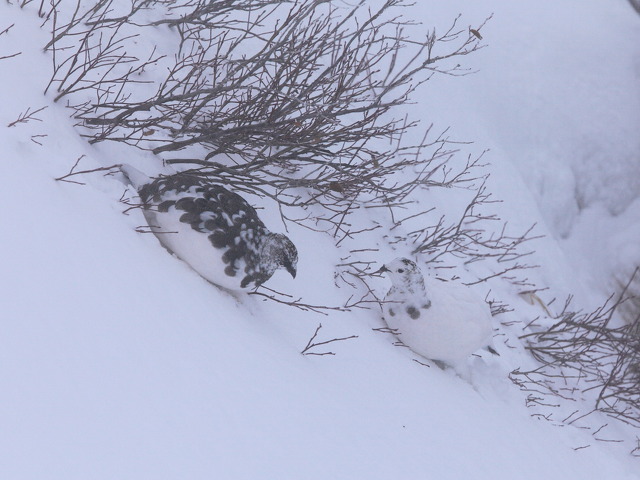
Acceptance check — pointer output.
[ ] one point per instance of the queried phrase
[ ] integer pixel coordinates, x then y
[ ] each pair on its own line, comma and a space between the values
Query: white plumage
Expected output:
213, 230
441, 321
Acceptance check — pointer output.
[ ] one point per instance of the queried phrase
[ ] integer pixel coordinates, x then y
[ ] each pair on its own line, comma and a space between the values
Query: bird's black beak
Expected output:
291, 270
383, 269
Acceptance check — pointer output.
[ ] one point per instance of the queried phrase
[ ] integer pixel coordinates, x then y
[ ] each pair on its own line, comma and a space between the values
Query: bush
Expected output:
300, 102
590, 354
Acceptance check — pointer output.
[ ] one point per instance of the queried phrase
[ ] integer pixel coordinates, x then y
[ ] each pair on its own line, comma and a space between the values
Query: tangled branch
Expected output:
294, 101
588, 353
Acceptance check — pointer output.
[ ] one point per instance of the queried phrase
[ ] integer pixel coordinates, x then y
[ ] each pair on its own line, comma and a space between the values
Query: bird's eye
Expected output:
400, 270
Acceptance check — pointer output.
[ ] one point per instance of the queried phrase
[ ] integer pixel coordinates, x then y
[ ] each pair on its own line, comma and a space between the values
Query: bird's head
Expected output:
403, 272
285, 253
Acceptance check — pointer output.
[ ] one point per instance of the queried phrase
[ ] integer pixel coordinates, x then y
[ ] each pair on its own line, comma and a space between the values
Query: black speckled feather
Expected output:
231, 225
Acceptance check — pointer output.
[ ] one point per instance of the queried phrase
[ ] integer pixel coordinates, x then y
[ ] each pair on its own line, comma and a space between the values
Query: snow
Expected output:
572, 68
118, 361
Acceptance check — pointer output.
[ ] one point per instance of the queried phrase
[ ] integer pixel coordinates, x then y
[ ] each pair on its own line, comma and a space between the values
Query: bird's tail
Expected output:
134, 176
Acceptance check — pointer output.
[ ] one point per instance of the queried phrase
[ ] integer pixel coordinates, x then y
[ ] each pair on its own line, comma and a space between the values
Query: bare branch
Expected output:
73, 172
27, 116
312, 344
6, 30
587, 353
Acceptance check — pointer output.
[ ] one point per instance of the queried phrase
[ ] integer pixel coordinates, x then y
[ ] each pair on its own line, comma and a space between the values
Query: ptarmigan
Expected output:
213, 230
444, 322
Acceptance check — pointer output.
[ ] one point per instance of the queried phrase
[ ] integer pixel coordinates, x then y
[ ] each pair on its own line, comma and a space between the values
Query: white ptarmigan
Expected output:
215, 231
443, 321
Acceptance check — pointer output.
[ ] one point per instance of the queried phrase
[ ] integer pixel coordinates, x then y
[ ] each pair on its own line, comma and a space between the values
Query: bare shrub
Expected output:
588, 355
291, 101
300, 102
629, 310
89, 48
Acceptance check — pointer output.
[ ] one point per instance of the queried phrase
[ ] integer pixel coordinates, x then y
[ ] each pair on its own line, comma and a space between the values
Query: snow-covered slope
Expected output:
557, 96
118, 361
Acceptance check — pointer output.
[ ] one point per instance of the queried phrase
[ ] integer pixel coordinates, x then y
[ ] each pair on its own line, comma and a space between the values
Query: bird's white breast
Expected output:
193, 247
456, 324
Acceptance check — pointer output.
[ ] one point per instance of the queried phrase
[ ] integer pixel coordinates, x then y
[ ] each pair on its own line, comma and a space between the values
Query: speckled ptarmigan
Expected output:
441, 321
213, 230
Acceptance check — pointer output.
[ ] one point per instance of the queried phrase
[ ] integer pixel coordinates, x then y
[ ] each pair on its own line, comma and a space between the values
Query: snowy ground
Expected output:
118, 361
560, 102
